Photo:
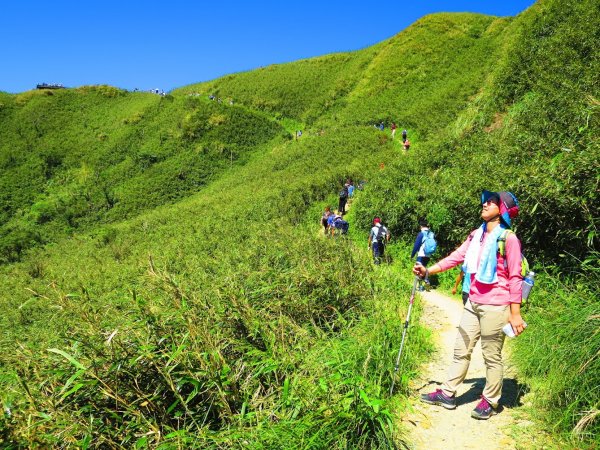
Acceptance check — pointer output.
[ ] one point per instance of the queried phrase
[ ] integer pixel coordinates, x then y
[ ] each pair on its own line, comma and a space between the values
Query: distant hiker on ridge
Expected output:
393, 129
343, 199
406, 144
404, 134
350, 184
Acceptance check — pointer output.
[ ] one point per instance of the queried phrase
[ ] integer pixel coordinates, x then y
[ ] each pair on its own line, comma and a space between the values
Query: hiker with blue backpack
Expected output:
338, 224
350, 184
379, 236
424, 236
425, 245
491, 259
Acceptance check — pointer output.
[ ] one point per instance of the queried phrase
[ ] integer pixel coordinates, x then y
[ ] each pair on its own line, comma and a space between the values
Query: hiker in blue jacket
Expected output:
419, 241
418, 248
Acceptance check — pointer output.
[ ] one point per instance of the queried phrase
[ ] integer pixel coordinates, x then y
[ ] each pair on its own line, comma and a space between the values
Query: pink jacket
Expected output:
508, 288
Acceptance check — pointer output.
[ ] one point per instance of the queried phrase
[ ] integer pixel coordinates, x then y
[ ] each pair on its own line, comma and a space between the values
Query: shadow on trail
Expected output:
512, 392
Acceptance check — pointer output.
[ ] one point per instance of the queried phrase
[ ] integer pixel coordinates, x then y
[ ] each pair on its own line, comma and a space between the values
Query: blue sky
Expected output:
168, 44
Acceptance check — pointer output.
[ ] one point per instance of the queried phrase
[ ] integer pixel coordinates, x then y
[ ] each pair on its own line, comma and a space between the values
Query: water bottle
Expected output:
527, 284
508, 330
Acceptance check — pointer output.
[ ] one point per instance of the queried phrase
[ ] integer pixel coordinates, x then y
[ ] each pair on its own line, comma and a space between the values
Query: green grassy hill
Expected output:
163, 281
77, 158
420, 78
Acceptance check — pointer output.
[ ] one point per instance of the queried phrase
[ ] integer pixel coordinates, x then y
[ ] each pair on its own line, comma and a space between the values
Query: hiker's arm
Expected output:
515, 319
513, 266
513, 263
417, 246
453, 259
422, 272
459, 278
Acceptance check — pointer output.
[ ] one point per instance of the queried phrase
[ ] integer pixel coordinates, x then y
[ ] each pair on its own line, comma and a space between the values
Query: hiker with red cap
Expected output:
494, 300
379, 236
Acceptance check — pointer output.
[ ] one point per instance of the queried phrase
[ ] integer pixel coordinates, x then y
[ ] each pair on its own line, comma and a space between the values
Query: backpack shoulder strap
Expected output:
502, 252
502, 242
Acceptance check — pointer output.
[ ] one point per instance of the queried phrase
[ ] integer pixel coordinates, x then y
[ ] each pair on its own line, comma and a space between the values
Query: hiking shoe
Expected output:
483, 410
439, 398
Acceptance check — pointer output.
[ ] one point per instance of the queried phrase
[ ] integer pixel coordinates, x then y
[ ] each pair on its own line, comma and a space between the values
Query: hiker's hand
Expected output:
517, 323
419, 270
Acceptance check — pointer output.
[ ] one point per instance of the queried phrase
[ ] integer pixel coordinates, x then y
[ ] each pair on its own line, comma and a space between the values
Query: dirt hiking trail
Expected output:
434, 427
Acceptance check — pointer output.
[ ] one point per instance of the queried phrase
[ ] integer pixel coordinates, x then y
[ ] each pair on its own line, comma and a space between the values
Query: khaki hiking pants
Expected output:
485, 322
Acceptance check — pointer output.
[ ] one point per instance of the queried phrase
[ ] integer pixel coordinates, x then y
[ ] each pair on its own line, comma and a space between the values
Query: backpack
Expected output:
342, 225
525, 269
429, 243
344, 192
502, 251
380, 236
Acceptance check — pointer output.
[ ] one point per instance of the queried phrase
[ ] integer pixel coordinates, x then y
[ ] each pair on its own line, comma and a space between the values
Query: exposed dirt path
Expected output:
434, 427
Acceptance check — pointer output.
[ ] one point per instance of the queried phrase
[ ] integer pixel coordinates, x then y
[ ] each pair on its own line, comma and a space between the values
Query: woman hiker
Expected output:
494, 300
325, 219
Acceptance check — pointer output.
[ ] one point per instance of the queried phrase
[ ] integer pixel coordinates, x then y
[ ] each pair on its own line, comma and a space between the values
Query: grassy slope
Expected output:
259, 301
416, 73
302, 90
533, 129
271, 296
77, 158
435, 65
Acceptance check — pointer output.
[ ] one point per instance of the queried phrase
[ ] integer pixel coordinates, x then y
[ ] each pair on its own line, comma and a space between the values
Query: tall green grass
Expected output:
533, 130
244, 330
559, 358
80, 157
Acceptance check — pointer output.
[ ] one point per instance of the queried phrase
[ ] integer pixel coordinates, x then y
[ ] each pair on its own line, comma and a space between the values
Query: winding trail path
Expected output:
433, 427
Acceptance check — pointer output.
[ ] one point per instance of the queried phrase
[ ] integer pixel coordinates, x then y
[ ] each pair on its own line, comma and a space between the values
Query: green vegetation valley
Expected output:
165, 283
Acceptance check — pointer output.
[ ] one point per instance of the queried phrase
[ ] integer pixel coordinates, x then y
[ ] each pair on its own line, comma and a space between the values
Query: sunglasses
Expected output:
491, 200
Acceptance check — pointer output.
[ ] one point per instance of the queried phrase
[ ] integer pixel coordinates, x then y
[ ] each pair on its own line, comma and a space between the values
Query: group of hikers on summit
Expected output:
493, 285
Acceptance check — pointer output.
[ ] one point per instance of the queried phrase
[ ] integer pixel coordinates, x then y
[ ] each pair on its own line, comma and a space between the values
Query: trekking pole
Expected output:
410, 304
